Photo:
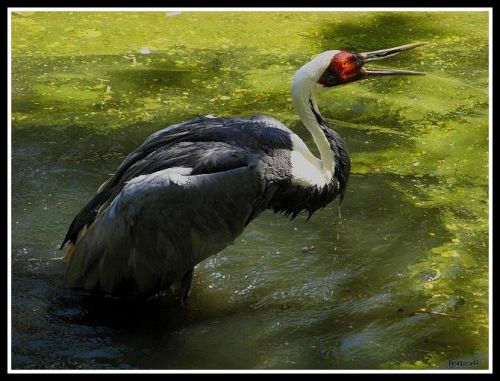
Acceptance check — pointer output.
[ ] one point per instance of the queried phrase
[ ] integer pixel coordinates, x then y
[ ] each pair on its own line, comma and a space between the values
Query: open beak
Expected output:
384, 53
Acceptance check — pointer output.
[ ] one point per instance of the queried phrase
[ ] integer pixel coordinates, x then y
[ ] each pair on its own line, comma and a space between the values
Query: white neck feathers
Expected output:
310, 170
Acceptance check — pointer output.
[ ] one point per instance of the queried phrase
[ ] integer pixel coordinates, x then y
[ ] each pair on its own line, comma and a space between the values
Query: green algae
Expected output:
97, 74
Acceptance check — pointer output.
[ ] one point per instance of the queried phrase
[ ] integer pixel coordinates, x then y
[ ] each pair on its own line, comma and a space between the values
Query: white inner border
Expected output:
247, 9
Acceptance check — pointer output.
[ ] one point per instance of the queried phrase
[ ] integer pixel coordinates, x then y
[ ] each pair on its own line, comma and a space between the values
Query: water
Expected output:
397, 279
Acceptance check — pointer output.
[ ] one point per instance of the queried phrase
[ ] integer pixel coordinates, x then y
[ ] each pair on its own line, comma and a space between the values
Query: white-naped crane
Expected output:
191, 188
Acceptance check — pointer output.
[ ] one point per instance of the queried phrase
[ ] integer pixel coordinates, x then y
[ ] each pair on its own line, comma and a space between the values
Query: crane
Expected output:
191, 188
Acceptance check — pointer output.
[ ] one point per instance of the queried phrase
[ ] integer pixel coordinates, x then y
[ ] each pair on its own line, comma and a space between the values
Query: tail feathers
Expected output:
72, 246
69, 252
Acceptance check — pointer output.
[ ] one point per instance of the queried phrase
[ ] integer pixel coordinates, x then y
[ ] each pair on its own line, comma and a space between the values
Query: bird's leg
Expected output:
186, 283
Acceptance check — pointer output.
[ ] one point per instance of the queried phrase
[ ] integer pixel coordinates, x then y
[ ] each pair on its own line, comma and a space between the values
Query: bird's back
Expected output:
204, 144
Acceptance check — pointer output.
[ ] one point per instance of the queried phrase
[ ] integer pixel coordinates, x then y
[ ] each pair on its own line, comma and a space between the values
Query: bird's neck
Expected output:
304, 102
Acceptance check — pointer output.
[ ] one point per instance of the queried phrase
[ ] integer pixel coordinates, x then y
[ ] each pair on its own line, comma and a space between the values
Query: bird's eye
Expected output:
344, 63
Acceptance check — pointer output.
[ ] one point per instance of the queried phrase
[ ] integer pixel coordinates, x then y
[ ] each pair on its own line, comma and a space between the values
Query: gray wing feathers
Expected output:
161, 225
204, 144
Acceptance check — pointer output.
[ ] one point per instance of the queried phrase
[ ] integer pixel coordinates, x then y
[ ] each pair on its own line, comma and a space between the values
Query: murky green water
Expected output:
399, 280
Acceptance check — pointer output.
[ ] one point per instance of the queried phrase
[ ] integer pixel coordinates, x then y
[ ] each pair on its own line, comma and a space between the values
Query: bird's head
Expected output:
338, 67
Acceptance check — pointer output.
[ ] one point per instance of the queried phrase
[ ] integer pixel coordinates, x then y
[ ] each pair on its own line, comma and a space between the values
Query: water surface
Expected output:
395, 278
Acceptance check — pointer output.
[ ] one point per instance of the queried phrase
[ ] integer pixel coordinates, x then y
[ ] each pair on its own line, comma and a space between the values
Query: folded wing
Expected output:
161, 224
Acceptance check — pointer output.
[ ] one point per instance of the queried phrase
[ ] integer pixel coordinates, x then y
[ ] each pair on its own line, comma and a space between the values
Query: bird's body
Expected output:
190, 189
